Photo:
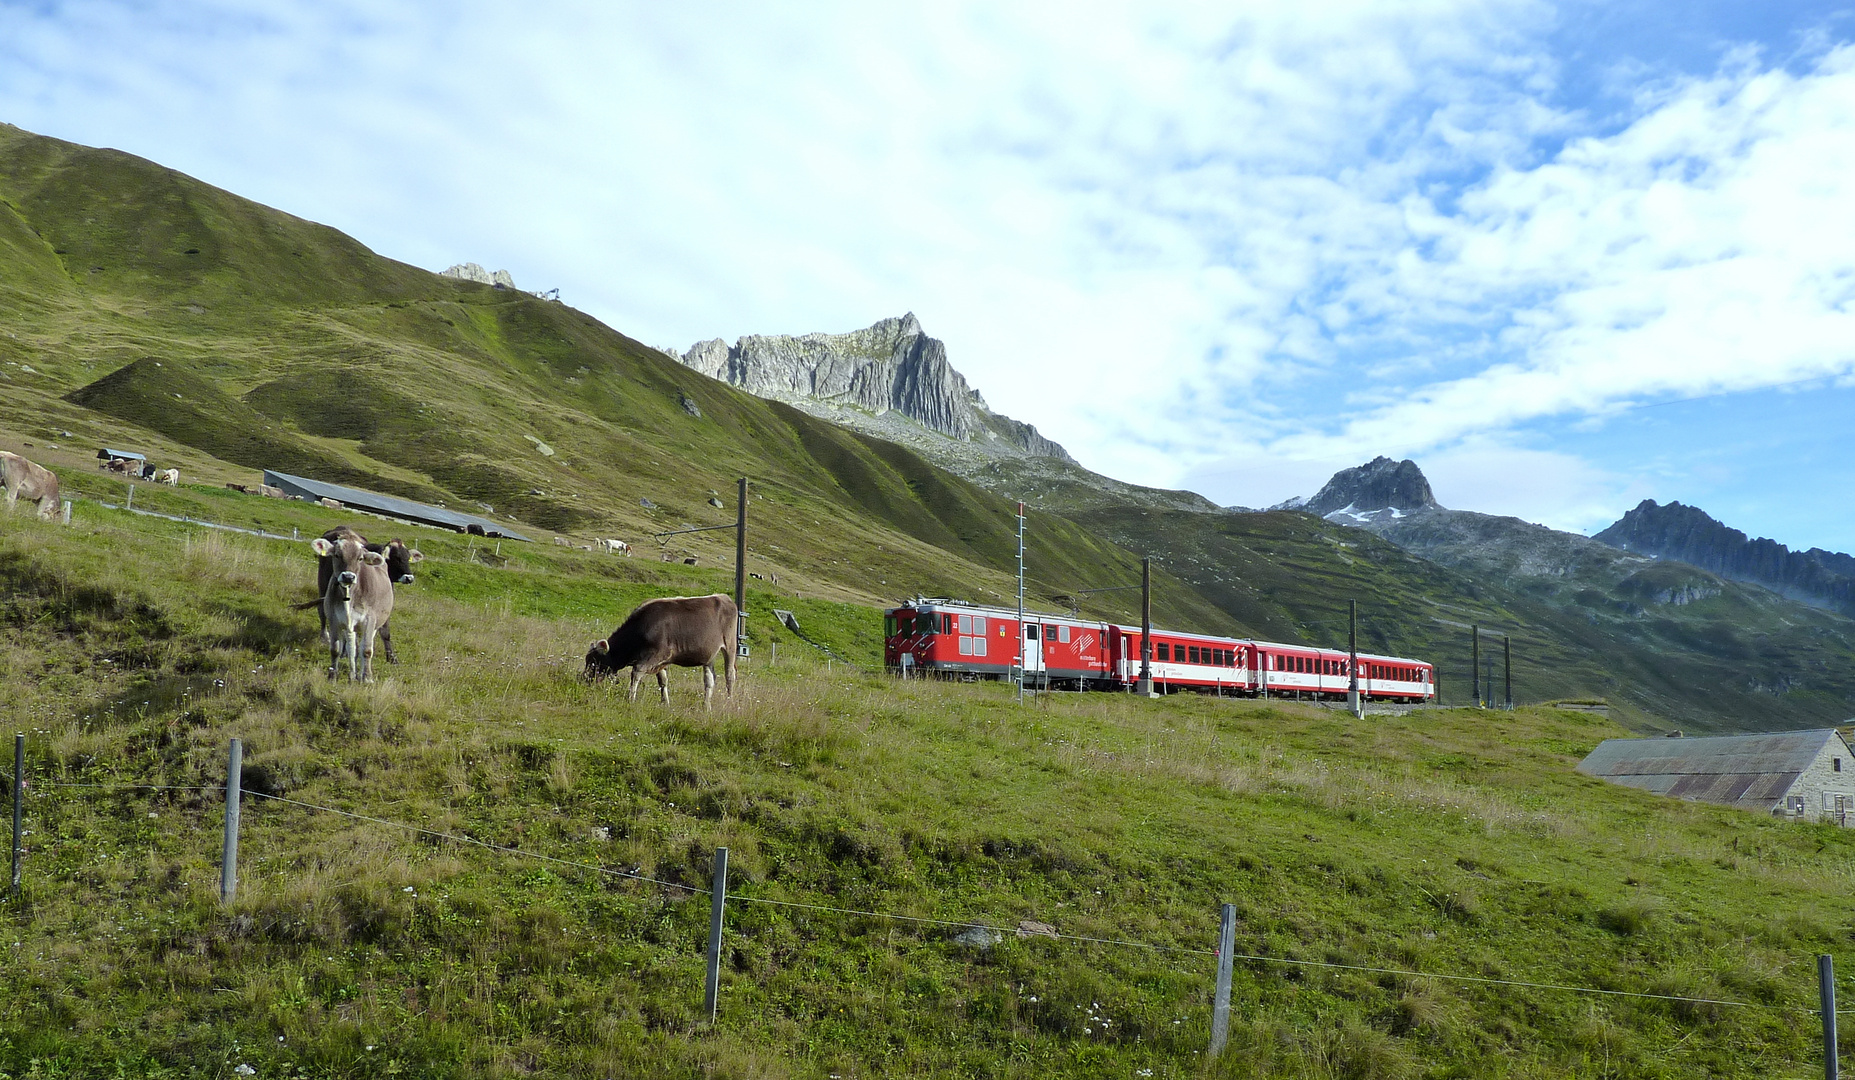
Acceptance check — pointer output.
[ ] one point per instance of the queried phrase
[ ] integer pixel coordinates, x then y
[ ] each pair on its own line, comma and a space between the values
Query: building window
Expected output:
1838, 764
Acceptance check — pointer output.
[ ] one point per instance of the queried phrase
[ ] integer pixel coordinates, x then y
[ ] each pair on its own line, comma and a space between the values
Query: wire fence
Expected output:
1827, 1010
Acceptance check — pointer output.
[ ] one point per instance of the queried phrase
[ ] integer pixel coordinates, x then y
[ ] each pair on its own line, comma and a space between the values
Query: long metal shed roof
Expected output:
1751, 771
389, 505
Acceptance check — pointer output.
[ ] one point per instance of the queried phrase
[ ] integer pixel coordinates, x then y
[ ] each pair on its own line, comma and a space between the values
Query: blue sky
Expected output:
1565, 256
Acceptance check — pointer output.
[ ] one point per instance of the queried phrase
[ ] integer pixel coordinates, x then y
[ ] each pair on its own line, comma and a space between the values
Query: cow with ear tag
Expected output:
399, 560
357, 602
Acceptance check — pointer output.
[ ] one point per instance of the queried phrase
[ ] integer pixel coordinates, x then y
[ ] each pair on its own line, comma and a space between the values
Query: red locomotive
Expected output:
949, 637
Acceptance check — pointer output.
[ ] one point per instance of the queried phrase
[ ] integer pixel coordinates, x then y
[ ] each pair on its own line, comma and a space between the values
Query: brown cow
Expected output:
683, 630
29, 481
399, 560
358, 602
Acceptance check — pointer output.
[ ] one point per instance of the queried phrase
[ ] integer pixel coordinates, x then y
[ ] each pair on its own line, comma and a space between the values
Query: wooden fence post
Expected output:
19, 795
718, 901
228, 864
1220, 1004
1826, 990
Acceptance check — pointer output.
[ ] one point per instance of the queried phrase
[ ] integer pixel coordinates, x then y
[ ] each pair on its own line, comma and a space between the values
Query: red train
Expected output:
948, 637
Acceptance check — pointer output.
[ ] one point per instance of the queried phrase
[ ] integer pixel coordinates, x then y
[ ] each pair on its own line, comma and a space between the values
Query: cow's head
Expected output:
399, 560
599, 663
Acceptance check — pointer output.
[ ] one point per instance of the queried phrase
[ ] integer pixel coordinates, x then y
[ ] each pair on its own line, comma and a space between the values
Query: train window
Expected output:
1230, 658
888, 626
979, 644
1030, 631
966, 624
1194, 653
979, 624
1164, 650
946, 624
1062, 634
966, 646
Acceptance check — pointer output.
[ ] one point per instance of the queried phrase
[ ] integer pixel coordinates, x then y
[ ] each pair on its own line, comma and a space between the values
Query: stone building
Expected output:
1804, 775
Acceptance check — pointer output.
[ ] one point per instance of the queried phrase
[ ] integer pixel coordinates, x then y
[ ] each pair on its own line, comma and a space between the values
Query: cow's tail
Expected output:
307, 604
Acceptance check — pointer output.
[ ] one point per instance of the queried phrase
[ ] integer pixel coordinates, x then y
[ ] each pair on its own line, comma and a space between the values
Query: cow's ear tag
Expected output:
601, 647
321, 546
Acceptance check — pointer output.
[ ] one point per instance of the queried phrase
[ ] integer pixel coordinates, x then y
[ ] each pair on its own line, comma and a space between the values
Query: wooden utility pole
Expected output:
1507, 650
1475, 662
740, 571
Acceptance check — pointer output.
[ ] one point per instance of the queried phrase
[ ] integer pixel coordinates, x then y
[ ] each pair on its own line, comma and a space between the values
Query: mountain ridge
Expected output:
1689, 534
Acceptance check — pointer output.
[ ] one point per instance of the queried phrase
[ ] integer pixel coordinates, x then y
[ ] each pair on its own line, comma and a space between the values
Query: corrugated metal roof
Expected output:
1753, 771
132, 455
390, 505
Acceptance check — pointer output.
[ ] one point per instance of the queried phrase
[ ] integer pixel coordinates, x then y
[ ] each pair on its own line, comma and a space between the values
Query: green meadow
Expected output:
1444, 842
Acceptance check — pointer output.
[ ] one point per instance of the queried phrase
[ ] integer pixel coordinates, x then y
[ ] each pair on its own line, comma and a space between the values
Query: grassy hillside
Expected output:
154, 311
142, 309
1732, 658
1451, 842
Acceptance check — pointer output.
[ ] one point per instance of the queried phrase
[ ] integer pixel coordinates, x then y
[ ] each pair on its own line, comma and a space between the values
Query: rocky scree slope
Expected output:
1820, 578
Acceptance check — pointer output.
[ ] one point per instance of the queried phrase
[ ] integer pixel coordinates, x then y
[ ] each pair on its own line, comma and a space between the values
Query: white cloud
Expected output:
1231, 245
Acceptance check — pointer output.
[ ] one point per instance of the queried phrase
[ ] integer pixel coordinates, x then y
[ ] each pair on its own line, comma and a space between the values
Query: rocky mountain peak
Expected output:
470, 271
861, 377
1379, 485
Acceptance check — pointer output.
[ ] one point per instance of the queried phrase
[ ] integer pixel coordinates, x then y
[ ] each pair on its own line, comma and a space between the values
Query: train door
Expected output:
1033, 649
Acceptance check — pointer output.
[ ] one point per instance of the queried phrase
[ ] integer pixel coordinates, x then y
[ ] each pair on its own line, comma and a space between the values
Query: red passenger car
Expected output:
950, 638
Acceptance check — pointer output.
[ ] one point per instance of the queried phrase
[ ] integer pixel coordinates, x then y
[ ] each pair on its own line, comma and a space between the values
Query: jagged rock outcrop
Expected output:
891, 367
1821, 578
474, 272
1379, 488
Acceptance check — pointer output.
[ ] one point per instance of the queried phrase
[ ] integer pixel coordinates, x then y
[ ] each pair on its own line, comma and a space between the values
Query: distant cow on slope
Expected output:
357, 603
29, 481
683, 630
399, 560
170, 477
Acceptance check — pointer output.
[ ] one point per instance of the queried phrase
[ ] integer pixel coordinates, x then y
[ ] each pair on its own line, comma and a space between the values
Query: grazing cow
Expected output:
561, 541
683, 630
358, 602
399, 560
122, 465
170, 477
29, 481
613, 547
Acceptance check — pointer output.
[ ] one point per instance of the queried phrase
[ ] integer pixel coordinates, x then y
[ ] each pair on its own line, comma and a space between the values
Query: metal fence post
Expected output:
228, 865
1826, 988
67, 512
718, 900
1220, 1004
19, 797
